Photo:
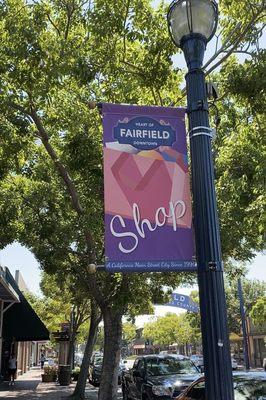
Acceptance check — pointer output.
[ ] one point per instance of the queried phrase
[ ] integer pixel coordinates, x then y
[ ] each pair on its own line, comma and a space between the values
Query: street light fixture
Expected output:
188, 18
192, 23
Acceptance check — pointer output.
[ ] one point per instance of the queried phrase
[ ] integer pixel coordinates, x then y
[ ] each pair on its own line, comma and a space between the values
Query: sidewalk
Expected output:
30, 387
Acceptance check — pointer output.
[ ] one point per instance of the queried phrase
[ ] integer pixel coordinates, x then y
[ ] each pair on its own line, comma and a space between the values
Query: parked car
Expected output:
197, 360
158, 377
234, 364
95, 370
128, 363
247, 386
78, 359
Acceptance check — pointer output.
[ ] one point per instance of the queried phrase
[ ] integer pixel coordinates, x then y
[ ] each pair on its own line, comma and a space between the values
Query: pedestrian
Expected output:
42, 360
12, 369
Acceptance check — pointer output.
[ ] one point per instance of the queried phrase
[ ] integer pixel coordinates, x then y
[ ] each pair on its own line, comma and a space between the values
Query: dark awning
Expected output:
20, 322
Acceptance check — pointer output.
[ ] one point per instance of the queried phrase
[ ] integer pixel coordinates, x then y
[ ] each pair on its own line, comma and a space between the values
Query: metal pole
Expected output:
244, 325
72, 339
216, 347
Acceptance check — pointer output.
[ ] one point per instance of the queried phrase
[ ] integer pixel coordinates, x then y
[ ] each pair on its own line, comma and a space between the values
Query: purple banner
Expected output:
148, 218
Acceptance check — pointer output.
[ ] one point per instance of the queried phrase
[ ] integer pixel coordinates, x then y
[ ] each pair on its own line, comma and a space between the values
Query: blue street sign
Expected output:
183, 301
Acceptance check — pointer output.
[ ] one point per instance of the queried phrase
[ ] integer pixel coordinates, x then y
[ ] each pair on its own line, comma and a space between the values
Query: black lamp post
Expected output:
192, 23
244, 324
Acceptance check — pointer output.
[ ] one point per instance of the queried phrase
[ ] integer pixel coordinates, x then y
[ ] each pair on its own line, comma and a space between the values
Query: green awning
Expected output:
20, 322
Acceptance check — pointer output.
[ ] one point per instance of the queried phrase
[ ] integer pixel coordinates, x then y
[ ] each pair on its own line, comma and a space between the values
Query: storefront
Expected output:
257, 343
20, 326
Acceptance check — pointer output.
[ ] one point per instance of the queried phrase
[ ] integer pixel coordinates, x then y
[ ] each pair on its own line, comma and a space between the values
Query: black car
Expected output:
158, 377
247, 386
95, 370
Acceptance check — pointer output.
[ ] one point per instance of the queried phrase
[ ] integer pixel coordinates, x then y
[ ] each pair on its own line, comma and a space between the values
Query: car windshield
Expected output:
169, 366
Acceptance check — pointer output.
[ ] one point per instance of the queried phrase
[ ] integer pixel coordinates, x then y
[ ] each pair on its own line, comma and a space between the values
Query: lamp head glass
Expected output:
188, 17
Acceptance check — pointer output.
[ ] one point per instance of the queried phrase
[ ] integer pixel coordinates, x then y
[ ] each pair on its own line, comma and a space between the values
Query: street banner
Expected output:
148, 218
183, 301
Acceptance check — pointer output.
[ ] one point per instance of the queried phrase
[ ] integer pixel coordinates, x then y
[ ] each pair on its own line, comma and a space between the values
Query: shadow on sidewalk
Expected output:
34, 390
51, 394
19, 385
31, 390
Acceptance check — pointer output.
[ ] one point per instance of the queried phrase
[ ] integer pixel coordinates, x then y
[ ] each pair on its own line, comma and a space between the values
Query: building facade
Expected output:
20, 327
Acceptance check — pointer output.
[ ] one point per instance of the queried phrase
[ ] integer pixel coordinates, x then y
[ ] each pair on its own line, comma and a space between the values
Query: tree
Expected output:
99, 339
252, 291
240, 151
62, 301
258, 312
194, 318
69, 294
129, 331
61, 58
168, 330
52, 312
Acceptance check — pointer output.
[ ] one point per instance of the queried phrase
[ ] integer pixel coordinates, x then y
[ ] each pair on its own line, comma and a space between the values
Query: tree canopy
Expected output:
252, 291
258, 312
170, 329
58, 301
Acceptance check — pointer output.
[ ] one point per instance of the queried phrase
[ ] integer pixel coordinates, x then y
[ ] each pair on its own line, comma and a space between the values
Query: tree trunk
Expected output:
112, 345
79, 392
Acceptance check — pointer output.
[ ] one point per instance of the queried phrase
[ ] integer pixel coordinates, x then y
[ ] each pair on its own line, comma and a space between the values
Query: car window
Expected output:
244, 390
169, 365
135, 365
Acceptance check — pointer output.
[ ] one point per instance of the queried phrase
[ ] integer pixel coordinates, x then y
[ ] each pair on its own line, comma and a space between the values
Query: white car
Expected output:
234, 364
128, 364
